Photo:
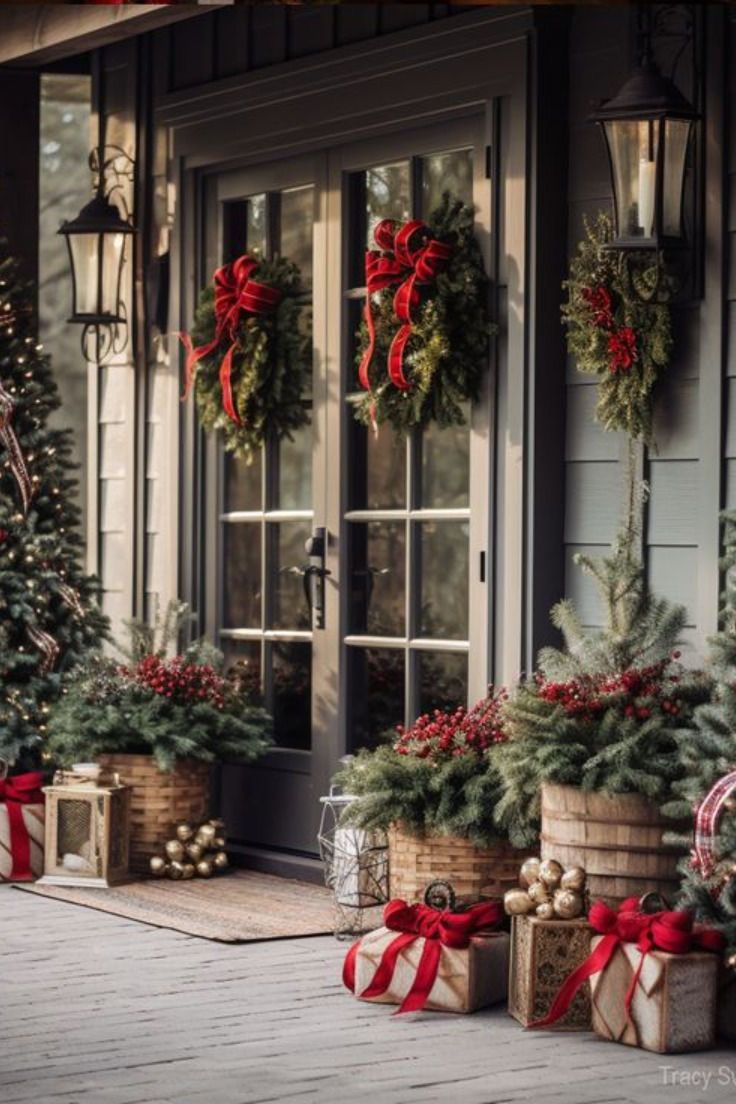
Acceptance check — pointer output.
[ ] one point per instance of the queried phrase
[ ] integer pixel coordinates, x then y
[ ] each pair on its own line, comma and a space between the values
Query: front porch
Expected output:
130, 1014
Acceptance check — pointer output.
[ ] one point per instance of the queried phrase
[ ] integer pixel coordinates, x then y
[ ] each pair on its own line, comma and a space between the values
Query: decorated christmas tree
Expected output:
48, 614
603, 712
708, 754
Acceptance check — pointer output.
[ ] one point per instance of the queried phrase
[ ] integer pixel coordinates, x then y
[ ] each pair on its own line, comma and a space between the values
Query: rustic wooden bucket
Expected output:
415, 861
159, 799
619, 839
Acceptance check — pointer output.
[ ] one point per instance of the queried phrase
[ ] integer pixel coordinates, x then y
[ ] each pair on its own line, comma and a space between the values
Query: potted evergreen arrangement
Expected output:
433, 787
160, 721
593, 735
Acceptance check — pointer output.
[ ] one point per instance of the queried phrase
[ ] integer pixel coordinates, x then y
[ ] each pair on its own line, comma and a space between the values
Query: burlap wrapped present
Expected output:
727, 1004
441, 961
21, 828
543, 954
673, 1008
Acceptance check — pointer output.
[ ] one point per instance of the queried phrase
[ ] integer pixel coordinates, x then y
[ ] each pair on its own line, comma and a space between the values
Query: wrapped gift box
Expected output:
727, 1004
33, 818
543, 954
466, 979
674, 1004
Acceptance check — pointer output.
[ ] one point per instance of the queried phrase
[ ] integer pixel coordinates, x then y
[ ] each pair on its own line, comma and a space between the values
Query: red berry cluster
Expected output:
622, 343
638, 692
185, 683
445, 735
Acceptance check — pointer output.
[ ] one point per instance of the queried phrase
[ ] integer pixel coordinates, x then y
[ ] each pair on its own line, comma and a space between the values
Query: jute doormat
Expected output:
239, 907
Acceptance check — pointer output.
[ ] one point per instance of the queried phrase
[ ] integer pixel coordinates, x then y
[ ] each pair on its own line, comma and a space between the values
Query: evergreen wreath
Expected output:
251, 365
616, 331
428, 306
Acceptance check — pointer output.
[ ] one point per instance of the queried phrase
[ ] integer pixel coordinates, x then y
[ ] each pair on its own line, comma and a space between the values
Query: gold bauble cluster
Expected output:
547, 891
193, 852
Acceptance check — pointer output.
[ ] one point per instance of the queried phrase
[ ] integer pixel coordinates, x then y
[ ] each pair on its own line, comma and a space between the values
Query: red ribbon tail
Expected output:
20, 844
367, 357
193, 358
396, 358
424, 978
595, 962
387, 965
348, 967
228, 404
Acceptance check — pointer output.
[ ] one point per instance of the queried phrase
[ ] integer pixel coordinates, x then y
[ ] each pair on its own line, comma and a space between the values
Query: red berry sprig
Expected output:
443, 735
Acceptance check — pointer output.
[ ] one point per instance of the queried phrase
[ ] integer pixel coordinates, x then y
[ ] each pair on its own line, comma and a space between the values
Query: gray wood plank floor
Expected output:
99, 1010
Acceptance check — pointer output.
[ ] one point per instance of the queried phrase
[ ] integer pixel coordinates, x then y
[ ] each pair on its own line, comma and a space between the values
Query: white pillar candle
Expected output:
647, 171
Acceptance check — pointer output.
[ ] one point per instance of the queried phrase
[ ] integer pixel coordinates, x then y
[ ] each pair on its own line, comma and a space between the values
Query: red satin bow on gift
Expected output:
438, 929
235, 292
23, 789
673, 932
411, 257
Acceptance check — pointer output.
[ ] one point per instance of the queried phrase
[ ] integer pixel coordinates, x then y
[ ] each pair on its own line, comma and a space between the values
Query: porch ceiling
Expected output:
35, 34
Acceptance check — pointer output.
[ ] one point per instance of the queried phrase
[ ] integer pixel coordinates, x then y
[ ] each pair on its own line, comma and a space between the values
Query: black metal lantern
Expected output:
647, 128
96, 243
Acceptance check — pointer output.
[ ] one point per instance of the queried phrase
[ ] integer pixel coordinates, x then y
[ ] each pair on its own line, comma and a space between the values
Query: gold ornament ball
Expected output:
195, 851
517, 902
217, 824
574, 879
205, 835
157, 866
219, 842
567, 904
538, 893
187, 871
546, 911
204, 868
550, 872
175, 850
529, 873
176, 870
184, 831
220, 861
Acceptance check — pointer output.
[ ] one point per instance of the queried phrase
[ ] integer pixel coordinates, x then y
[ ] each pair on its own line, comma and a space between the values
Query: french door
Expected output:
403, 624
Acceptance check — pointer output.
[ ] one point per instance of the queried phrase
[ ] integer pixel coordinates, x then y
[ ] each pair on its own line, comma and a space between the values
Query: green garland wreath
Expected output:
447, 352
271, 366
622, 337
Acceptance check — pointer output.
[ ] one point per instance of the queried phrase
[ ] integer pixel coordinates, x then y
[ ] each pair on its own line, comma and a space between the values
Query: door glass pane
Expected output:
294, 459
243, 661
292, 694
290, 606
443, 547
242, 483
446, 172
297, 212
387, 195
445, 474
256, 224
378, 577
378, 468
443, 680
241, 591
375, 694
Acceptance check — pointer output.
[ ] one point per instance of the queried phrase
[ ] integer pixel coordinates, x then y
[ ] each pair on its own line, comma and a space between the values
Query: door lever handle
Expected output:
315, 574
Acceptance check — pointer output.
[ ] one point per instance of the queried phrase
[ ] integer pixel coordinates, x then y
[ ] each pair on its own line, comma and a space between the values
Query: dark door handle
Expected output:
315, 574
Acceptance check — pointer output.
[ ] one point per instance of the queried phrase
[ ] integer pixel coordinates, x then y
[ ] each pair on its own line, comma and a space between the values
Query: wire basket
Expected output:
356, 866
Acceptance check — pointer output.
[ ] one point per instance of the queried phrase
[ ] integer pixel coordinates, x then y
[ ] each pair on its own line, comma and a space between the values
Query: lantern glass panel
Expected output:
676, 134
112, 259
84, 249
633, 147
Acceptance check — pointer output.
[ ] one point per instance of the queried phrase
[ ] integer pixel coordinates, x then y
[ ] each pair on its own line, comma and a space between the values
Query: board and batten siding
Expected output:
683, 474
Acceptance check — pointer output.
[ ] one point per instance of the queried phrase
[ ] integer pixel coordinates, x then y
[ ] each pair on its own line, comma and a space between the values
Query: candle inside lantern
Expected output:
647, 171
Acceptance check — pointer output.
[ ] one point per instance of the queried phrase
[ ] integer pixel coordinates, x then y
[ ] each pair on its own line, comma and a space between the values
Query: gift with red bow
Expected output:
653, 979
430, 958
21, 827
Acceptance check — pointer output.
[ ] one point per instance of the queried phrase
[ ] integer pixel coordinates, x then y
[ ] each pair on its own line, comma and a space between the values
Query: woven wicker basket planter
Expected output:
159, 799
619, 839
415, 861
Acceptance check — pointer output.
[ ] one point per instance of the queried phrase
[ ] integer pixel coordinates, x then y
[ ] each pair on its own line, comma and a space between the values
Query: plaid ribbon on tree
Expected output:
707, 817
9, 439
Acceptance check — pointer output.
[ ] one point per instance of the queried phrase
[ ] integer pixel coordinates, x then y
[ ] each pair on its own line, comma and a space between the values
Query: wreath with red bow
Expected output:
249, 353
423, 340
615, 332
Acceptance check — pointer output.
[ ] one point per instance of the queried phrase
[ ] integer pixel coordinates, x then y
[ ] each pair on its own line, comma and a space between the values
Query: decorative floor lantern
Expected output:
87, 829
356, 865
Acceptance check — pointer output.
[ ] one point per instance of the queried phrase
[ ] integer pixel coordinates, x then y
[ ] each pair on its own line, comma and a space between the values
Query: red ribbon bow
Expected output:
438, 929
673, 932
408, 256
235, 292
23, 789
